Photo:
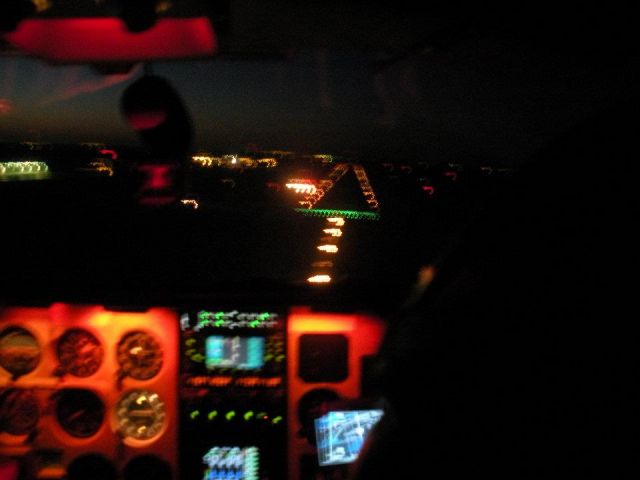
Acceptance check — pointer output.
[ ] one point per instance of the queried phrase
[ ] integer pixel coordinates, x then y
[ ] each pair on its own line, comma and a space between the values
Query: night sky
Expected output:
480, 100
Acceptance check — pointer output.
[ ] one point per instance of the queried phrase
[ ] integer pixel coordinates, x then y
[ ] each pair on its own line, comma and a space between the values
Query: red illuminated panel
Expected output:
328, 323
127, 366
8, 469
361, 334
108, 40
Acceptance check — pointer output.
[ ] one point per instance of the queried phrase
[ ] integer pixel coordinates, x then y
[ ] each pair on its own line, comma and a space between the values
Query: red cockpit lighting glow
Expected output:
158, 177
69, 40
147, 120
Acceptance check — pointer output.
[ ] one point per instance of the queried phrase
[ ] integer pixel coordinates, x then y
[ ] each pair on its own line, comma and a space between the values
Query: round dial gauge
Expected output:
79, 353
79, 412
140, 414
19, 411
19, 351
139, 355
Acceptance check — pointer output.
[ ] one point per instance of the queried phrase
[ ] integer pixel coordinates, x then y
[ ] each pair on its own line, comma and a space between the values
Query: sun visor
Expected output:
107, 39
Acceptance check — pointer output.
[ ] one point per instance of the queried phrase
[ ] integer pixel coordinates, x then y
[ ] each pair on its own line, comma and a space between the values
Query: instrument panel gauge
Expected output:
139, 355
19, 351
79, 412
79, 352
19, 411
140, 414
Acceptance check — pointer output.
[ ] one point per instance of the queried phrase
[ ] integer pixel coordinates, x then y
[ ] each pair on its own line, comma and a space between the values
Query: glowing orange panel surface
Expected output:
45, 354
71, 40
363, 333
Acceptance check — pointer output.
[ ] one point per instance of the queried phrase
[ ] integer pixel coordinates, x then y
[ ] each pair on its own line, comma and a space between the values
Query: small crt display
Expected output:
243, 353
231, 463
341, 434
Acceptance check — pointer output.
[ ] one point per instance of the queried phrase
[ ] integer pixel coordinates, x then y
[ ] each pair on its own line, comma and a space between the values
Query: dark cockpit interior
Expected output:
319, 240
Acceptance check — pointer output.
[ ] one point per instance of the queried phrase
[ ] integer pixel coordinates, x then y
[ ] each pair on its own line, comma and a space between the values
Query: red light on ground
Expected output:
452, 175
429, 189
69, 40
112, 153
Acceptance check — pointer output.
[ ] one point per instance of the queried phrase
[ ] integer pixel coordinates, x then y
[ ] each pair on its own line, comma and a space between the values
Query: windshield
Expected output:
256, 232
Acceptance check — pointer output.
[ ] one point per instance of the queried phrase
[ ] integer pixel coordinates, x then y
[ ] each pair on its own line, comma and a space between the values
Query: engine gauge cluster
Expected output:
79, 352
84, 387
139, 356
140, 415
79, 412
19, 411
19, 351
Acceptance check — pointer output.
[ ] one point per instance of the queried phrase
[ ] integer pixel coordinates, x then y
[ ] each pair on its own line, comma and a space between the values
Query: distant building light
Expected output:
319, 279
328, 248
268, 162
100, 166
324, 158
190, 202
27, 169
203, 160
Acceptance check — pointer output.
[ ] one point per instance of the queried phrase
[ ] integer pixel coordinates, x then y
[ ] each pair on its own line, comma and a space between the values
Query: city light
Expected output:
204, 160
101, 166
231, 161
27, 169
190, 202
267, 162
324, 158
